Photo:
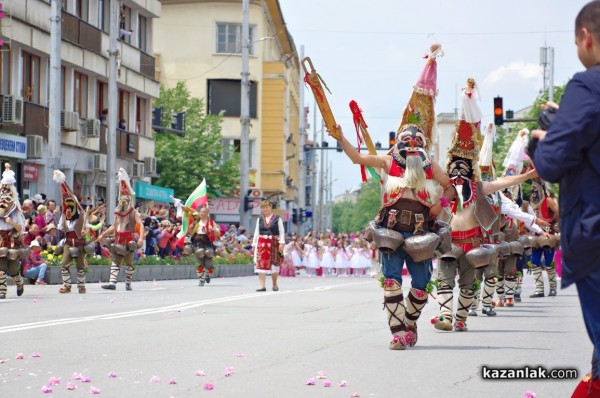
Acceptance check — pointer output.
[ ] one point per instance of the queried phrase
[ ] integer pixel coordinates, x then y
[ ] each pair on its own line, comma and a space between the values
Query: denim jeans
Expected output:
392, 264
536, 256
589, 291
36, 272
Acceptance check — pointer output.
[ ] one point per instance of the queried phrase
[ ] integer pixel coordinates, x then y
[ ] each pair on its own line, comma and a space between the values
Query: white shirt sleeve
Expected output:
512, 210
281, 230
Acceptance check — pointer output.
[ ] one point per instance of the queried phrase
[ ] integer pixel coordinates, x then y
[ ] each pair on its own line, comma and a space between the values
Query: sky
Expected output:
372, 52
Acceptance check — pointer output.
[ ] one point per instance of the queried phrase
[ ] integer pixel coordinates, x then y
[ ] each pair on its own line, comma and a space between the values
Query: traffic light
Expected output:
392, 139
325, 144
338, 148
301, 216
498, 112
157, 117
179, 123
247, 203
510, 114
295, 216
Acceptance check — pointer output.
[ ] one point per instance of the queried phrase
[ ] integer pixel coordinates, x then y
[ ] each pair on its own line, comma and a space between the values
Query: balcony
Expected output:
81, 33
127, 143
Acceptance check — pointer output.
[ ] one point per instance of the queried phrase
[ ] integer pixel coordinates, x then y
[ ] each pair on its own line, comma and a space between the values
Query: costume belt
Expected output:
124, 237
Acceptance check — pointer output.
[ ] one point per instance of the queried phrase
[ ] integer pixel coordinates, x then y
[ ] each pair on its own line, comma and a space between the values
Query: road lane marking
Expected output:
157, 310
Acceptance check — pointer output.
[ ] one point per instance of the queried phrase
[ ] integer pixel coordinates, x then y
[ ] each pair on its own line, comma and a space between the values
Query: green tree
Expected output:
182, 162
351, 217
505, 138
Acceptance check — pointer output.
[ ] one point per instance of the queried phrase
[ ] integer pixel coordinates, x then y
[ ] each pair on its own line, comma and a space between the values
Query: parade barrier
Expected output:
100, 273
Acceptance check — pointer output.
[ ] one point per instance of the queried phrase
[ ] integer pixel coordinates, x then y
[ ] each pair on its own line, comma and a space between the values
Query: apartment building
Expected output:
24, 92
199, 42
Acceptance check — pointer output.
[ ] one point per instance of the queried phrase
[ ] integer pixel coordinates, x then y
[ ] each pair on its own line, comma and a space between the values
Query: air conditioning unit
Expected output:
34, 146
12, 109
150, 165
91, 128
137, 170
99, 162
69, 121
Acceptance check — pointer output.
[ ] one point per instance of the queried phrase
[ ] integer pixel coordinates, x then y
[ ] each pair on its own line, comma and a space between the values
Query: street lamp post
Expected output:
245, 113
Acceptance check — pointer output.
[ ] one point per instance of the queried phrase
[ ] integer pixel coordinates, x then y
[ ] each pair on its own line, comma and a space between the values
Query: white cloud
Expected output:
519, 70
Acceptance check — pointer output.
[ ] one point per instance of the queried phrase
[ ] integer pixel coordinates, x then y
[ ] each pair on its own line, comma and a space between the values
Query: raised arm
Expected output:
508, 181
378, 161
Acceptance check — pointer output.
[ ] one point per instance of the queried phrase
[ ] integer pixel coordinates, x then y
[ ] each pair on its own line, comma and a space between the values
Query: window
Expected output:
101, 99
232, 145
31, 77
229, 38
143, 33
140, 118
104, 15
5, 72
125, 24
81, 9
80, 94
225, 95
123, 111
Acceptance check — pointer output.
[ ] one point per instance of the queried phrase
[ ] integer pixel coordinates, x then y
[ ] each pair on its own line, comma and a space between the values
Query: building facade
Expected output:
199, 42
25, 84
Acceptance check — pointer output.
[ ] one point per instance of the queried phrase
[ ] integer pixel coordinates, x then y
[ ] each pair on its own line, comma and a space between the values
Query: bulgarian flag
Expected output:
198, 198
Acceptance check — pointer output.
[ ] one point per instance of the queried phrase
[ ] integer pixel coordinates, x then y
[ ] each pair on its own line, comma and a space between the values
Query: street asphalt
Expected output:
316, 337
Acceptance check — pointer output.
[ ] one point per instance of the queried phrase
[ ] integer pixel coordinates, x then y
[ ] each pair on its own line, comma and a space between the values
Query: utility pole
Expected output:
321, 179
55, 105
547, 63
113, 98
245, 113
301, 153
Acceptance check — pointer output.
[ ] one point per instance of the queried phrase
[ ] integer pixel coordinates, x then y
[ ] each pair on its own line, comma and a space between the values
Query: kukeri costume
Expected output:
11, 227
203, 233
540, 201
471, 247
123, 245
401, 228
72, 223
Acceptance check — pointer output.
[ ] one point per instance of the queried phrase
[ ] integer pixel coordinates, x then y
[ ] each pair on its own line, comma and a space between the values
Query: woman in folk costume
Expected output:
415, 191
73, 224
11, 227
126, 240
203, 232
269, 239
475, 219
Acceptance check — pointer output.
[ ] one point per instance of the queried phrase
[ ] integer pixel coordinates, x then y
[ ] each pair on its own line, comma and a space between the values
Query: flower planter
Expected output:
101, 273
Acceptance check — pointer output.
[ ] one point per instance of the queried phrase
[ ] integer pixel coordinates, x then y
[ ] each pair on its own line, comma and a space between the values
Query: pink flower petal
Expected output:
47, 389
310, 382
355, 395
199, 373
71, 386
155, 379
85, 379
112, 300
326, 383
94, 390
321, 374
343, 383
209, 386
35, 355
53, 381
112, 375
20, 356
529, 394
76, 376
229, 371
240, 355
172, 381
